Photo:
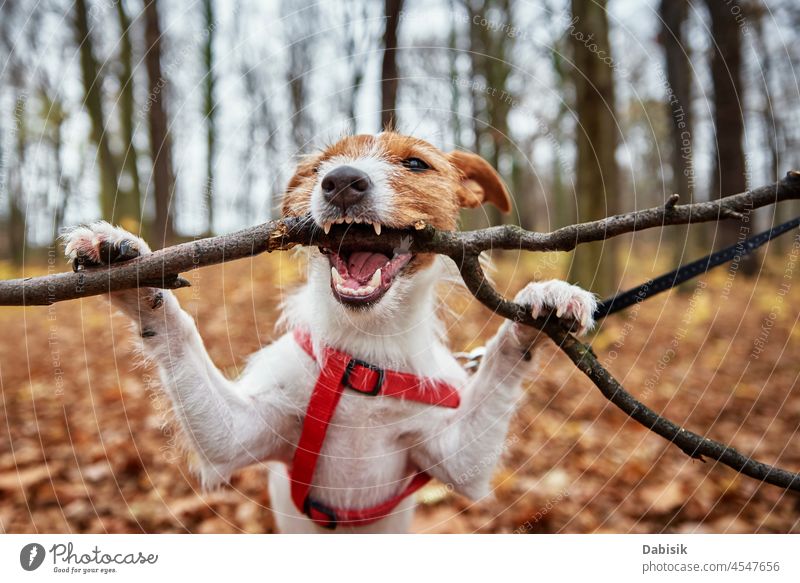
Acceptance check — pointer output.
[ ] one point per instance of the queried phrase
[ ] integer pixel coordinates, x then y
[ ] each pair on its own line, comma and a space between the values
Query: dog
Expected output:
372, 314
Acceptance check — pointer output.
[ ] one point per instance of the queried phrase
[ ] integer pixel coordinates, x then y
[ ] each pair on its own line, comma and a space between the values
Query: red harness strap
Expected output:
339, 371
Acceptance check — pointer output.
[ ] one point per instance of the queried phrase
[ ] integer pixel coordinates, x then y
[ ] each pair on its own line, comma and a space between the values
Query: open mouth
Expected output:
360, 278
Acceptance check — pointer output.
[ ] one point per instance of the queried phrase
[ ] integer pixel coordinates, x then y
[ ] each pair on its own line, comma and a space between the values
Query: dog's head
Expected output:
387, 180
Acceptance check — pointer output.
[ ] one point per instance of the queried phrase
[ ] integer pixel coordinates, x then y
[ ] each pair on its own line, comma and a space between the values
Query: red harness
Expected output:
339, 371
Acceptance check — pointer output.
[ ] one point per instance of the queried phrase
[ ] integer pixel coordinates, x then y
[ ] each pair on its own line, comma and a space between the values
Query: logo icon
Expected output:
31, 556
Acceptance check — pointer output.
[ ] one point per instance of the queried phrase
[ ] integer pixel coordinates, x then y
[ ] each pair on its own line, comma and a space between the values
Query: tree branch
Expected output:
161, 269
692, 444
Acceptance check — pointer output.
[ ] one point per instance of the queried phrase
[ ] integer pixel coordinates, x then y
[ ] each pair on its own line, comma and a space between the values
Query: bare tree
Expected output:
455, 90
11, 184
730, 172
209, 111
674, 14
389, 73
300, 44
93, 101
131, 203
160, 141
16, 195
54, 117
594, 266
773, 119
356, 45
490, 53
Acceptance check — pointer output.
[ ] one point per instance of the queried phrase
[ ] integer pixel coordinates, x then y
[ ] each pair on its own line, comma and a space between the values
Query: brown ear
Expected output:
481, 183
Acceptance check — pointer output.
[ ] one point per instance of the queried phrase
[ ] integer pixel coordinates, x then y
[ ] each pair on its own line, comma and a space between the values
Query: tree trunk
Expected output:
490, 55
160, 143
594, 265
64, 183
355, 47
455, 90
93, 101
301, 63
389, 73
563, 199
730, 171
16, 195
775, 132
130, 207
210, 113
676, 52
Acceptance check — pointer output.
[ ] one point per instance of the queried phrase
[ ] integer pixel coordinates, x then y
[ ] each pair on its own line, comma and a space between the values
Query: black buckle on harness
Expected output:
311, 505
348, 371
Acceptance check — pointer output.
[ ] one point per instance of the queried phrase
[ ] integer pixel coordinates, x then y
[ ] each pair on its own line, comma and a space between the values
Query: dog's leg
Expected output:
229, 425
464, 450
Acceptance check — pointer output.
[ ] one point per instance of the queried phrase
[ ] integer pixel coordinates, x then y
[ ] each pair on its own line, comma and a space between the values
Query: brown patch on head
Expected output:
428, 195
433, 195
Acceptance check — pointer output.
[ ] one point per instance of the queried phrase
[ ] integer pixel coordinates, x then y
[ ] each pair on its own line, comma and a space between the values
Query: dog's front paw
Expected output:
569, 302
101, 244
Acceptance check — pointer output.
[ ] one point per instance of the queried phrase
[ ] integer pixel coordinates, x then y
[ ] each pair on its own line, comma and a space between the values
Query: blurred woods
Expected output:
186, 120
179, 120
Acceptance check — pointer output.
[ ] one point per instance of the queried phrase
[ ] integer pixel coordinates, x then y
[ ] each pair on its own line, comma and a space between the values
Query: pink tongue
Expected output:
362, 264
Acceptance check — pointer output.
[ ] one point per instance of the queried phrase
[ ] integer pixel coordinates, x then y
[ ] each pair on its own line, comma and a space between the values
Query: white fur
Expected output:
374, 442
379, 170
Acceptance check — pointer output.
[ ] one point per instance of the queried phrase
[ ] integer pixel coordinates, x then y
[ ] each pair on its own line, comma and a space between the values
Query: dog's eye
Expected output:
416, 165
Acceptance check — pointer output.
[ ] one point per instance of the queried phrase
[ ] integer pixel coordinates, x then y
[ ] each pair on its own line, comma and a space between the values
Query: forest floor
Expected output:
85, 445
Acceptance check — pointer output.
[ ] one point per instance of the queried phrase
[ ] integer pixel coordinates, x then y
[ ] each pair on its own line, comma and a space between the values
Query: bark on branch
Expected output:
162, 269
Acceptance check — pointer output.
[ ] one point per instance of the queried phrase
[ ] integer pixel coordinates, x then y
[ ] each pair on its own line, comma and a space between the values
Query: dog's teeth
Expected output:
377, 227
348, 220
360, 291
327, 227
375, 281
337, 279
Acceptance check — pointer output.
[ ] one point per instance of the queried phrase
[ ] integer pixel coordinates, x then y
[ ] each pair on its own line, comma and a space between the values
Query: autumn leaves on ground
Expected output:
85, 443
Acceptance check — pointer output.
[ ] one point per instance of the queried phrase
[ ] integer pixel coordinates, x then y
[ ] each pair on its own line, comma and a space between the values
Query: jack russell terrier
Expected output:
360, 402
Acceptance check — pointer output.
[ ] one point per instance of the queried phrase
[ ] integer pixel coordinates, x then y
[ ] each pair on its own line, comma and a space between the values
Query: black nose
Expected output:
345, 186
